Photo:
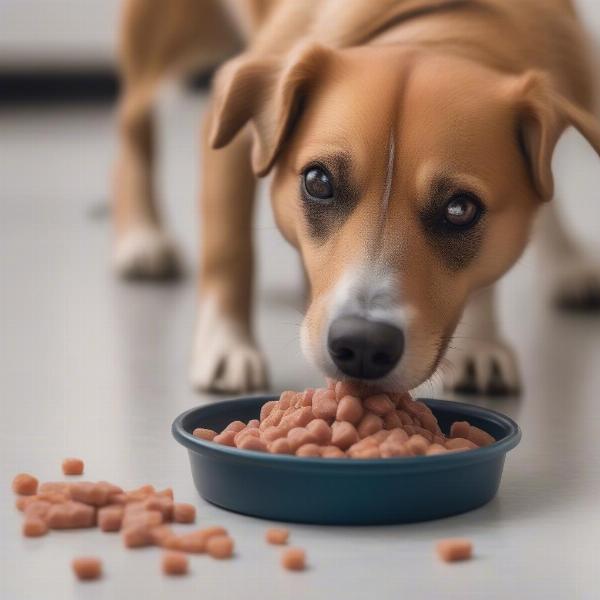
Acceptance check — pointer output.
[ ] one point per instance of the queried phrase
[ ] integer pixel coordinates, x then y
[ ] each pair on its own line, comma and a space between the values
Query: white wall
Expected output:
40, 34
76, 33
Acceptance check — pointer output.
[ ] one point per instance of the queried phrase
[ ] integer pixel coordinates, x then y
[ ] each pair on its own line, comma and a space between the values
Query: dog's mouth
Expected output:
372, 354
362, 331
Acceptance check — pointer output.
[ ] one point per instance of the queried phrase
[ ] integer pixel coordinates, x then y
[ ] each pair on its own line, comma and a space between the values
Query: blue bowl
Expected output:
345, 491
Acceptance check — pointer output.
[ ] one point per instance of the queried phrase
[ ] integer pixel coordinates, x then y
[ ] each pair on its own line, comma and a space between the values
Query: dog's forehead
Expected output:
453, 92
372, 92
356, 81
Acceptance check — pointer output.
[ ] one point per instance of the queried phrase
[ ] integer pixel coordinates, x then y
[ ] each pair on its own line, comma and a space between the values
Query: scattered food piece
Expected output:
87, 568
71, 515
25, 484
184, 513
100, 493
142, 515
138, 535
277, 535
164, 537
110, 517
34, 527
196, 541
294, 559
220, 546
454, 549
162, 503
174, 563
72, 466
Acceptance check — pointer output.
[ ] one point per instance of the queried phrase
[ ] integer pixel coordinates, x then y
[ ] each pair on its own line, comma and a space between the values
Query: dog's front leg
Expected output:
225, 355
142, 247
572, 273
478, 359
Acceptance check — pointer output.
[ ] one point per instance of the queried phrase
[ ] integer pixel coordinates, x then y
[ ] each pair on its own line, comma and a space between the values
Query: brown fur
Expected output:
474, 92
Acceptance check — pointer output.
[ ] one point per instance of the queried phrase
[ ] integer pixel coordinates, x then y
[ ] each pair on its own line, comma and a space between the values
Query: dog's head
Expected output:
406, 179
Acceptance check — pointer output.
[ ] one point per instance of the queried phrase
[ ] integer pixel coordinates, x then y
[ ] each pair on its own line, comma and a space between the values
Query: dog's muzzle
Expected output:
364, 349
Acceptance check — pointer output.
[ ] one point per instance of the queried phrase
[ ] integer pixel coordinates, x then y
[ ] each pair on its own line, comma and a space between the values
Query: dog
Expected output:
410, 145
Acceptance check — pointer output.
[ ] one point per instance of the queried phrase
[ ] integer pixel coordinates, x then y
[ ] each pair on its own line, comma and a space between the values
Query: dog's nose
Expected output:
364, 349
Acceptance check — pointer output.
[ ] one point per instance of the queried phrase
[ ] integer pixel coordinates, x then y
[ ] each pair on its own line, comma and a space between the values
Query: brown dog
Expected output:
410, 143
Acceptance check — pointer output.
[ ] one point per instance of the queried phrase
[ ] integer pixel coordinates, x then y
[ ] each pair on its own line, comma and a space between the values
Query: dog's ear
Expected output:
267, 92
543, 115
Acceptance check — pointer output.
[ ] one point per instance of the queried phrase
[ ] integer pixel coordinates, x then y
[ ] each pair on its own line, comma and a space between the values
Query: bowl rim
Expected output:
439, 461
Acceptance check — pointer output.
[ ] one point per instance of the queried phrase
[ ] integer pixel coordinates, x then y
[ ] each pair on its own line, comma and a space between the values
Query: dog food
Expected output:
25, 484
174, 563
220, 546
454, 549
196, 542
204, 434
34, 526
184, 513
110, 518
293, 559
71, 515
345, 421
87, 568
72, 466
277, 536
141, 515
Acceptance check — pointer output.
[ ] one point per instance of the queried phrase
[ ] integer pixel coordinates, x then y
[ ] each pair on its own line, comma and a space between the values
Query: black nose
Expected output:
364, 349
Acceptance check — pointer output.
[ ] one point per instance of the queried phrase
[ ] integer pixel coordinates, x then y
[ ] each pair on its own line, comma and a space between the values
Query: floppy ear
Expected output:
543, 115
266, 91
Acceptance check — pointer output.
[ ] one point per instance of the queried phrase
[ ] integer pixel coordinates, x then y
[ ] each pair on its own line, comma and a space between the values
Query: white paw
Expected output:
481, 367
225, 359
576, 285
145, 253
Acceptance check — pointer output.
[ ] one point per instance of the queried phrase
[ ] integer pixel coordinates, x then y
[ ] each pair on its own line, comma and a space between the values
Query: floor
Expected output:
96, 368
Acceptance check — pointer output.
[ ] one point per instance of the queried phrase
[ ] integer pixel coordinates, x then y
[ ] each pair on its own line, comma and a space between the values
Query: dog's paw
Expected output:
481, 367
146, 253
226, 360
576, 286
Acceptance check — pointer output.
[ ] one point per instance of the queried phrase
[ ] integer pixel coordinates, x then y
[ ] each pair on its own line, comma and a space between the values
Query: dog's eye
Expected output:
462, 211
318, 184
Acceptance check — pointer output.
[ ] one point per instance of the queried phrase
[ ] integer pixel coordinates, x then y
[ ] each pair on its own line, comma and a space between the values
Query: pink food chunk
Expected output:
277, 535
324, 405
204, 434
72, 466
34, 526
293, 559
25, 484
454, 549
220, 546
343, 434
87, 568
380, 404
174, 563
184, 513
110, 517
369, 424
350, 408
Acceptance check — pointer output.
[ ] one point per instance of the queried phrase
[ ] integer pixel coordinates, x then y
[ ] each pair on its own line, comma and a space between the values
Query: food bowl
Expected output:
344, 490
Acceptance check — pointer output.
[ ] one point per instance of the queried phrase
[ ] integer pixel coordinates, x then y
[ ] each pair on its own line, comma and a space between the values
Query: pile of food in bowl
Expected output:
346, 421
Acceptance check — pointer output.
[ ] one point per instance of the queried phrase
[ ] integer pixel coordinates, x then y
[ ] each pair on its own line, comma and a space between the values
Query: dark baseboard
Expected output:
54, 87
58, 86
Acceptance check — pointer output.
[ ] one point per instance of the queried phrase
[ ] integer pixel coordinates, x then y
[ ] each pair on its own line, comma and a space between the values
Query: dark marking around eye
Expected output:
323, 218
456, 247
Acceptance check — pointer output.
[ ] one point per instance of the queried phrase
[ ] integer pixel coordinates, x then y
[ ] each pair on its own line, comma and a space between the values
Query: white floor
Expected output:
96, 368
